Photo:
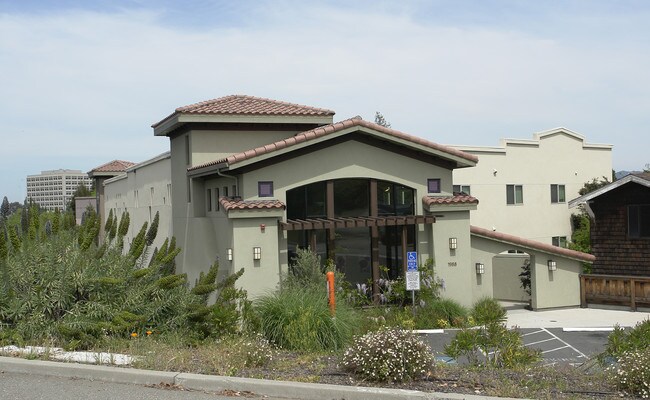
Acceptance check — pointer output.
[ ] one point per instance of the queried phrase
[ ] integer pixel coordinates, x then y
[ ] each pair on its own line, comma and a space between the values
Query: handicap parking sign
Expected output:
412, 261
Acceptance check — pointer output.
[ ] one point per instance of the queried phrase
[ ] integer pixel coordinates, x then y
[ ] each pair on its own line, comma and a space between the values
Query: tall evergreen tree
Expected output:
4, 209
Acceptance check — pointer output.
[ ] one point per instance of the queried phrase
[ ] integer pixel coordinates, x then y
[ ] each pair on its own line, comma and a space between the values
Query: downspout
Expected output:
236, 179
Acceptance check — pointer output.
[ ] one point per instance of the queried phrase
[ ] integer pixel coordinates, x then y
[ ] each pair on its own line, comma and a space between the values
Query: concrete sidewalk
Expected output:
574, 318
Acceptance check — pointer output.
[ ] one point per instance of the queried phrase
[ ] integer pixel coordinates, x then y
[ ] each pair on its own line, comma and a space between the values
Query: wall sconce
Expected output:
453, 243
552, 265
257, 253
229, 253
480, 268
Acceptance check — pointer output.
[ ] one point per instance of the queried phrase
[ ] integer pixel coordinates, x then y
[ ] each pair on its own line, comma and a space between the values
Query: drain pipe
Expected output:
236, 179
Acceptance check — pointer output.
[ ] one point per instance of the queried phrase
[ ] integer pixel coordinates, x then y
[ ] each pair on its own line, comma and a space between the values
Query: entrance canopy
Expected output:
355, 222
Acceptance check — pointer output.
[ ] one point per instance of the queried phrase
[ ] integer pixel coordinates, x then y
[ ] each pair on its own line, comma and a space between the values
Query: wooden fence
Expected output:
630, 291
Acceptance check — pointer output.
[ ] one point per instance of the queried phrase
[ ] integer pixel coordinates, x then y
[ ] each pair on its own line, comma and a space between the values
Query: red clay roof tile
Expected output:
545, 247
456, 199
230, 203
114, 166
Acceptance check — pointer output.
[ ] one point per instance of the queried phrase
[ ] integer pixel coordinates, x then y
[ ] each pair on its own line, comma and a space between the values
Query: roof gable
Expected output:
640, 179
111, 168
320, 134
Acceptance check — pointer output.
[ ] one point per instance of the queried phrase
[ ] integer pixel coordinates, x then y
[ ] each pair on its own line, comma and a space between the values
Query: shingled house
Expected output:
620, 229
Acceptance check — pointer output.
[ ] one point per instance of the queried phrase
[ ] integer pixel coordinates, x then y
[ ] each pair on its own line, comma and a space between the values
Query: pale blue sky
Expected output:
82, 81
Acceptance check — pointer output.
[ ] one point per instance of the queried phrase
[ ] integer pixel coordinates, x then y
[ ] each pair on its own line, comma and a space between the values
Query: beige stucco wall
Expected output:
550, 289
204, 235
505, 275
143, 191
558, 158
210, 145
453, 266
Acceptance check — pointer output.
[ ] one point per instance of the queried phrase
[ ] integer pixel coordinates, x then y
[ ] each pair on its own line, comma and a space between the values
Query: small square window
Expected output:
433, 185
558, 194
559, 241
462, 189
514, 194
265, 189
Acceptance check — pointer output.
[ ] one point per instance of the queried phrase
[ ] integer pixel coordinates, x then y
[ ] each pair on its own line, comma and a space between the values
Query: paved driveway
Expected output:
558, 346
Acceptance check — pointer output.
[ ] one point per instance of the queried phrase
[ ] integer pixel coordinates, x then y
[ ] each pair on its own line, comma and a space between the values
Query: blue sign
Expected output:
412, 261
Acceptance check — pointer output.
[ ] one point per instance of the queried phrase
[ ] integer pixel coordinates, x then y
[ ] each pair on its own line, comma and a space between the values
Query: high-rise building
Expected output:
53, 189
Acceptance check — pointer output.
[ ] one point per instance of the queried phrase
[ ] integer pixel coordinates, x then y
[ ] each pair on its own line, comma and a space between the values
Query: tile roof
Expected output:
114, 166
455, 199
231, 203
330, 129
533, 244
643, 175
248, 105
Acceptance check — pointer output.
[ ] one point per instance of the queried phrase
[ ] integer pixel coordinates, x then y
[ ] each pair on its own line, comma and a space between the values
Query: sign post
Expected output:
412, 274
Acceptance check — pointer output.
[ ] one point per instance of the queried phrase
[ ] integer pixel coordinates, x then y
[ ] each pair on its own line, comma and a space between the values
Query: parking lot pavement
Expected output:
558, 346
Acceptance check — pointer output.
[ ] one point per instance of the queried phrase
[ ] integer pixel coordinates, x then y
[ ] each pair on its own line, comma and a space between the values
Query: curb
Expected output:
282, 389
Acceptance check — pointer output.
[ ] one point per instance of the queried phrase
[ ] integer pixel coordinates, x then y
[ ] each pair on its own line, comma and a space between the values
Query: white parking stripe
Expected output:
540, 341
567, 344
559, 348
531, 333
610, 329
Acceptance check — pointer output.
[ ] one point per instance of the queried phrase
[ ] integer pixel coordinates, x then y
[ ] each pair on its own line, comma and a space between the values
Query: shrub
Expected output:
487, 310
441, 313
392, 355
299, 319
492, 345
621, 341
632, 374
305, 271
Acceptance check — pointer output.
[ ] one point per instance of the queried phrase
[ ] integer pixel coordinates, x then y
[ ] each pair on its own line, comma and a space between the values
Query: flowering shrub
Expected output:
632, 374
392, 355
254, 351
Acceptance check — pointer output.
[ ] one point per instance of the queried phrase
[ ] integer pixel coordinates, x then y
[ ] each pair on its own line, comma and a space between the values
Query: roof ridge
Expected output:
188, 107
545, 247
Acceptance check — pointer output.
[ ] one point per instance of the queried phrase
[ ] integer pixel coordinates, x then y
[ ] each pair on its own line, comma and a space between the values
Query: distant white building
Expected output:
524, 185
53, 190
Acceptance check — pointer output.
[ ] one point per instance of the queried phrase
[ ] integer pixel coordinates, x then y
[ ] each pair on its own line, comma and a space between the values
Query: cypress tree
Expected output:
4, 209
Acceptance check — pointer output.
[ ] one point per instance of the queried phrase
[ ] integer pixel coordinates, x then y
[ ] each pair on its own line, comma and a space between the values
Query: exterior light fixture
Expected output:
480, 268
552, 265
257, 253
453, 243
229, 253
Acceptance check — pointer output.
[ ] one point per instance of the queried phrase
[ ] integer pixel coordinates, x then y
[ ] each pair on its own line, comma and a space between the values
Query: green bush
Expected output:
299, 319
632, 373
61, 289
487, 310
392, 355
623, 341
492, 345
441, 313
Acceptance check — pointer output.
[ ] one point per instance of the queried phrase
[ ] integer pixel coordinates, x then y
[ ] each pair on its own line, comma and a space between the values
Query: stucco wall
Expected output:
550, 289
536, 164
505, 275
151, 184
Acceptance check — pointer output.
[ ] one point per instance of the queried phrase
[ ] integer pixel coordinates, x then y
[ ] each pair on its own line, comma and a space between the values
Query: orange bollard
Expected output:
330, 293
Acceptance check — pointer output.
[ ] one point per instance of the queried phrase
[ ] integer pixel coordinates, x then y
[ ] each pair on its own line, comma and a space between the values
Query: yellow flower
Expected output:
134, 335
149, 333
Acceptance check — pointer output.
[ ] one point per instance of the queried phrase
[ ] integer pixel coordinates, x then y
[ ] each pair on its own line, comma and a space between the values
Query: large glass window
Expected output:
309, 201
353, 254
394, 199
352, 198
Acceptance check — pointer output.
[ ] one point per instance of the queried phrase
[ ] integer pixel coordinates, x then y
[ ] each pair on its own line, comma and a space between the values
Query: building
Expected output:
620, 226
253, 179
525, 185
53, 190
142, 190
99, 175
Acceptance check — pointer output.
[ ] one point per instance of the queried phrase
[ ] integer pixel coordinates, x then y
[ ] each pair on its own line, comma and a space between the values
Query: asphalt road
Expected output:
557, 346
17, 386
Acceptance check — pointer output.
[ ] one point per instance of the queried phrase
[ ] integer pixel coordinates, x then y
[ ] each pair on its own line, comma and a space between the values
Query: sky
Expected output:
82, 81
